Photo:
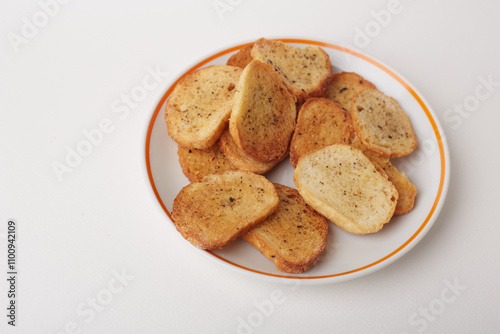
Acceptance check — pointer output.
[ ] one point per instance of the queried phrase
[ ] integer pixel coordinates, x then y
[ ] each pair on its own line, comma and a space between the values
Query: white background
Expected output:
75, 236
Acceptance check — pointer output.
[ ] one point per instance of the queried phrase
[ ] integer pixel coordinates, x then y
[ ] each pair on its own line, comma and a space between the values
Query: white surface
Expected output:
74, 234
347, 256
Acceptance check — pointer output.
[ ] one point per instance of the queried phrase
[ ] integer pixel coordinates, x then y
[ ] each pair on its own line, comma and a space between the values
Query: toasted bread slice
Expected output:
223, 206
196, 164
264, 113
240, 159
381, 124
320, 123
305, 71
344, 86
294, 236
341, 183
406, 190
241, 58
199, 107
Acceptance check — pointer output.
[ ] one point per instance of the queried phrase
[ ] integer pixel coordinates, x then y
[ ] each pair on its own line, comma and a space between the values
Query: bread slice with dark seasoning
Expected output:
263, 116
198, 109
344, 86
381, 124
196, 164
320, 123
305, 71
223, 206
294, 236
342, 184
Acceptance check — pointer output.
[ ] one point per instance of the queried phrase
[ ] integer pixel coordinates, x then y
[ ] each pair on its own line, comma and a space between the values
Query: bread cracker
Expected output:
305, 71
264, 113
198, 109
344, 86
196, 164
341, 183
381, 124
294, 236
223, 206
320, 123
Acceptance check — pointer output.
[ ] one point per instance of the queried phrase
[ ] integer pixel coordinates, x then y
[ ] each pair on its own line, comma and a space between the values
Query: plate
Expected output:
347, 256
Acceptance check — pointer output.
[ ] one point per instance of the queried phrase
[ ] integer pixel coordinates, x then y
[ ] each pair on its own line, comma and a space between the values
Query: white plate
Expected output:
347, 256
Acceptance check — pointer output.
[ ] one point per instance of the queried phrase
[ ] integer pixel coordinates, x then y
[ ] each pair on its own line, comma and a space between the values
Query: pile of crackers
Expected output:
233, 123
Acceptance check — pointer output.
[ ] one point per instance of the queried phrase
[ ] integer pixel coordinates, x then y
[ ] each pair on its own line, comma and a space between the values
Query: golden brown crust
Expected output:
305, 71
344, 86
241, 58
264, 113
223, 206
381, 124
294, 236
196, 164
320, 123
198, 109
240, 159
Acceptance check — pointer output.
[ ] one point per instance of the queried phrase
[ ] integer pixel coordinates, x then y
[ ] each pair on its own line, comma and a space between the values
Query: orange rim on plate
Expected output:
339, 48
